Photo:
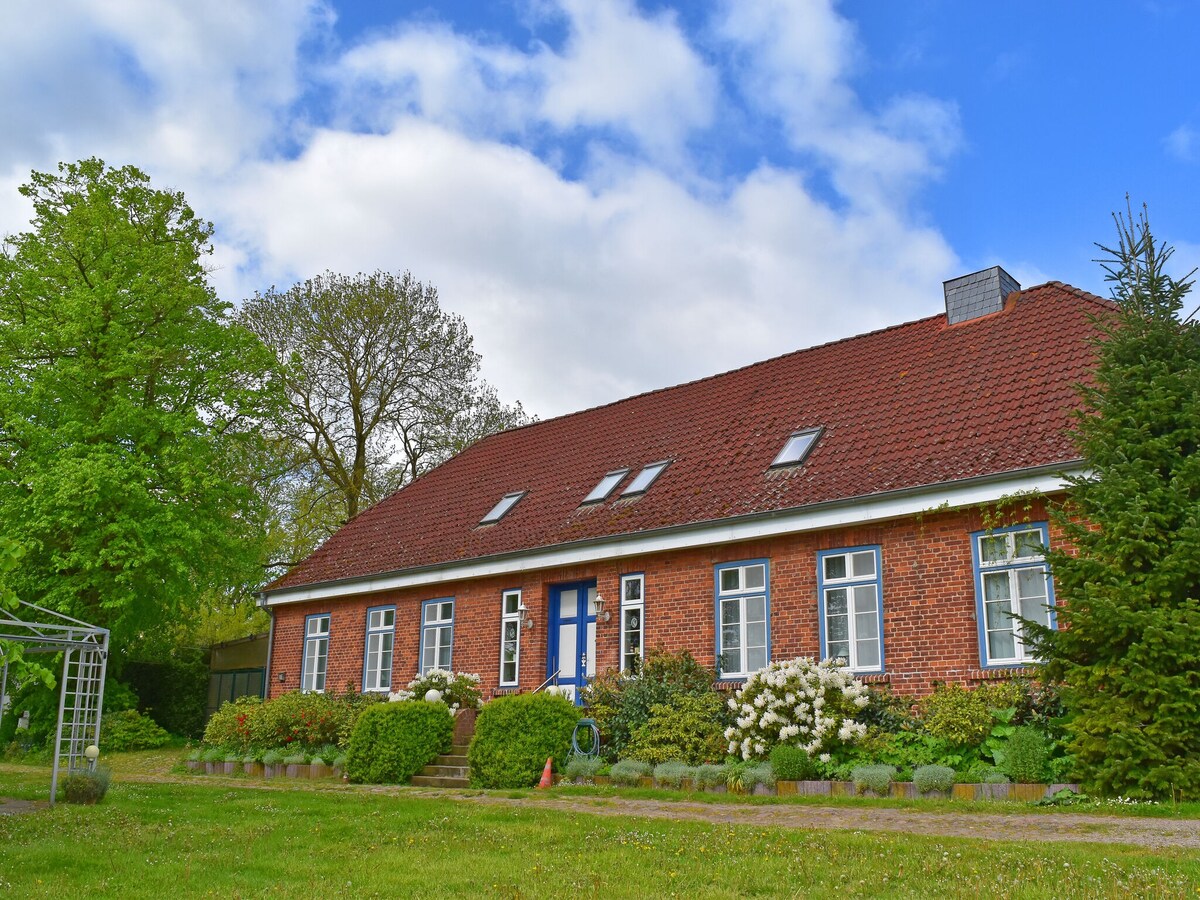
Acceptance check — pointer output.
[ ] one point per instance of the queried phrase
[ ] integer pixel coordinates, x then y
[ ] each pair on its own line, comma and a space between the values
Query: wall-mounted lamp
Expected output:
599, 604
523, 613
282, 677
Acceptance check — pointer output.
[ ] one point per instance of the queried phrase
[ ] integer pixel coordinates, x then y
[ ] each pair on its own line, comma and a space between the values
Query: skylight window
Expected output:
641, 483
797, 447
606, 486
500, 510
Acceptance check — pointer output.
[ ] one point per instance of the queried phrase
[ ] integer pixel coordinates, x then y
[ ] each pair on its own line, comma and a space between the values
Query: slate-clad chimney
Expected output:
978, 294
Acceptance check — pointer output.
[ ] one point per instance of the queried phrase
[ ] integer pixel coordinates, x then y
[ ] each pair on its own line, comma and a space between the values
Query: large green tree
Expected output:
128, 406
381, 385
1129, 655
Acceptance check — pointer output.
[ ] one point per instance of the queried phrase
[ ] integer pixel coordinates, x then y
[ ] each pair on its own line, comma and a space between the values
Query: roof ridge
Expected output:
1106, 302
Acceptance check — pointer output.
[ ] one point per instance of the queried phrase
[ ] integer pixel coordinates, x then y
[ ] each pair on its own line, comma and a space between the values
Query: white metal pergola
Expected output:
81, 687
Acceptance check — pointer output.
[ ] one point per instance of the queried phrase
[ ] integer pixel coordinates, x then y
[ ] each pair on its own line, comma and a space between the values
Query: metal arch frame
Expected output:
84, 647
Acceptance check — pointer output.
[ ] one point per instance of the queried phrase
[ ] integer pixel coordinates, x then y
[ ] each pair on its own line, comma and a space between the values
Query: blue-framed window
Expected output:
437, 634
633, 621
743, 618
1011, 580
510, 638
316, 653
850, 587
377, 656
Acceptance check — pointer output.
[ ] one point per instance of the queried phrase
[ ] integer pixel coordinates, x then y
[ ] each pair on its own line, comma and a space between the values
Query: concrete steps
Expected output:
448, 770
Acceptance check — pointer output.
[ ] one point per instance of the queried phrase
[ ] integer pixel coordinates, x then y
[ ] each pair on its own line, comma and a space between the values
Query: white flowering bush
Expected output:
798, 702
459, 690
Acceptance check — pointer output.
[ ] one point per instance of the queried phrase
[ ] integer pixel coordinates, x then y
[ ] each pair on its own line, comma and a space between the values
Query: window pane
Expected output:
756, 609
868, 654
730, 612
1001, 645
999, 615
864, 598
864, 564
431, 613
731, 579
756, 658
838, 629
993, 548
835, 566
511, 603
756, 634
835, 602
731, 660
508, 672
510, 631
447, 611
755, 577
1028, 544
996, 586
633, 590
731, 638
866, 626
839, 650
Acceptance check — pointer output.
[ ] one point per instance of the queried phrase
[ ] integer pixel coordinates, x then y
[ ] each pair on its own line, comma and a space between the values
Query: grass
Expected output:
153, 840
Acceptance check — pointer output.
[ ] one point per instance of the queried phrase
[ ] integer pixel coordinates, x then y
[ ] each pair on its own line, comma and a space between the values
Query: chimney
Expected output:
978, 294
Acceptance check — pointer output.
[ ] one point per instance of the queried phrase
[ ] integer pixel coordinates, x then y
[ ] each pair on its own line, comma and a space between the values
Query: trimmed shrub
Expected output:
933, 778
873, 778
621, 702
759, 773
964, 717
796, 701
583, 766
710, 775
86, 787
213, 755
130, 730
295, 759
629, 772
1026, 755
982, 773
671, 773
792, 763
391, 742
300, 721
230, 726
515, 735
687, 729
272, 758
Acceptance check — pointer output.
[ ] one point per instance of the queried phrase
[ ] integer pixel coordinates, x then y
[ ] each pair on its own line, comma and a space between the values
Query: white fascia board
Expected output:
874, 508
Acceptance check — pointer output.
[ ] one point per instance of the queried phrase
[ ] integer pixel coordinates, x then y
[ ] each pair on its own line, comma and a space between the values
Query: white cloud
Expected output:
795, 62
1183, 143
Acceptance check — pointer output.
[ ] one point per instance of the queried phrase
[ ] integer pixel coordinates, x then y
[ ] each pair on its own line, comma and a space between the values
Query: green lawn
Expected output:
150, 840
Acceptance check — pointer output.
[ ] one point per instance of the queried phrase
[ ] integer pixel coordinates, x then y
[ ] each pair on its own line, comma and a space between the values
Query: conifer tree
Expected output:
1129, 651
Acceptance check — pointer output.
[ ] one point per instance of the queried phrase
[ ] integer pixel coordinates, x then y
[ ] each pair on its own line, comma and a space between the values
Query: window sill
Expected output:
1001, 671
874, 678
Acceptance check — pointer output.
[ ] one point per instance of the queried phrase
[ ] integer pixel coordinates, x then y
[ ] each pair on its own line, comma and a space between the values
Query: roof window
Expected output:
641, 483
500, 510
797, 448
606, 486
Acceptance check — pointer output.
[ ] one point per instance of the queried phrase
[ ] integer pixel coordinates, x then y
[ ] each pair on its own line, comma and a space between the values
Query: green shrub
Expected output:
213, 755
629, 772
964, 717
759, 773
876, 778
231, 726
672, 773
710, 775
1026, 755
339, 761
130, 730
295, 759
933, 778
887, 711
583, 766
302, 721
272, 758
391, 742
688, 728
792, 763
249, 759
981, 773
86, 787
515, 735
118, 697
621, 702
195, 755
317, 761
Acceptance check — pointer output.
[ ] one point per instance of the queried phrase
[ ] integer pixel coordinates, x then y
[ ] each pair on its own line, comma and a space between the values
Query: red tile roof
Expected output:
911, 405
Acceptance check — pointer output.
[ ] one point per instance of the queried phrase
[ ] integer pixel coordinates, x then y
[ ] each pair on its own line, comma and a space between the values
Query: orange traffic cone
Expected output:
547, 773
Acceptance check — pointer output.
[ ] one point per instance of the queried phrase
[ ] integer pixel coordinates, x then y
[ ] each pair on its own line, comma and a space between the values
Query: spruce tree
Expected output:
1129, 652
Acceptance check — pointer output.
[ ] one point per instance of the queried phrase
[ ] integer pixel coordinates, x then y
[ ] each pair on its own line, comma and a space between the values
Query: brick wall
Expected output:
929, 627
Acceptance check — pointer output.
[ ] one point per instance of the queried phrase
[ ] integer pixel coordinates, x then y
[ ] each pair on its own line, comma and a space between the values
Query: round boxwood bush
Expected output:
391, 742
792, 763
514, 736
130, 730
933, 778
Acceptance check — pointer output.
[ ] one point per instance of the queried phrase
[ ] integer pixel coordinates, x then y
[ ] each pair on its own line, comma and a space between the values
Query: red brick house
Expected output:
832, 502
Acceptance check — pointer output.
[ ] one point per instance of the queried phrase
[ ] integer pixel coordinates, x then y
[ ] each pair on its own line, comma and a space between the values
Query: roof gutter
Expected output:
832, 514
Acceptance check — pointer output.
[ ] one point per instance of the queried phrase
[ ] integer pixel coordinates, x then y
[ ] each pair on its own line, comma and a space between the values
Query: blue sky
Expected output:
618, 195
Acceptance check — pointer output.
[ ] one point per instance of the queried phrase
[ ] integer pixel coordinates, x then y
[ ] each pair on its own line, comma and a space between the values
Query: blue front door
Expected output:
572, 635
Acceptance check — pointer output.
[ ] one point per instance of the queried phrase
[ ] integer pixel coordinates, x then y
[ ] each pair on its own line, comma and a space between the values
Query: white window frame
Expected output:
314, 665
850, 583
737, 599
380, 644
443, 631
510, 620
1012, 567
634, 608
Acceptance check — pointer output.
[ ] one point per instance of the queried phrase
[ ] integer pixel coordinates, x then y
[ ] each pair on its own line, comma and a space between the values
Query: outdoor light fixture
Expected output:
599, 604
92, 752
282, 677
523, 612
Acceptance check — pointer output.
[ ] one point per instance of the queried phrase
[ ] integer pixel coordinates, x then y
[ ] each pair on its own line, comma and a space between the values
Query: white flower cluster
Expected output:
796, 701
438, 680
